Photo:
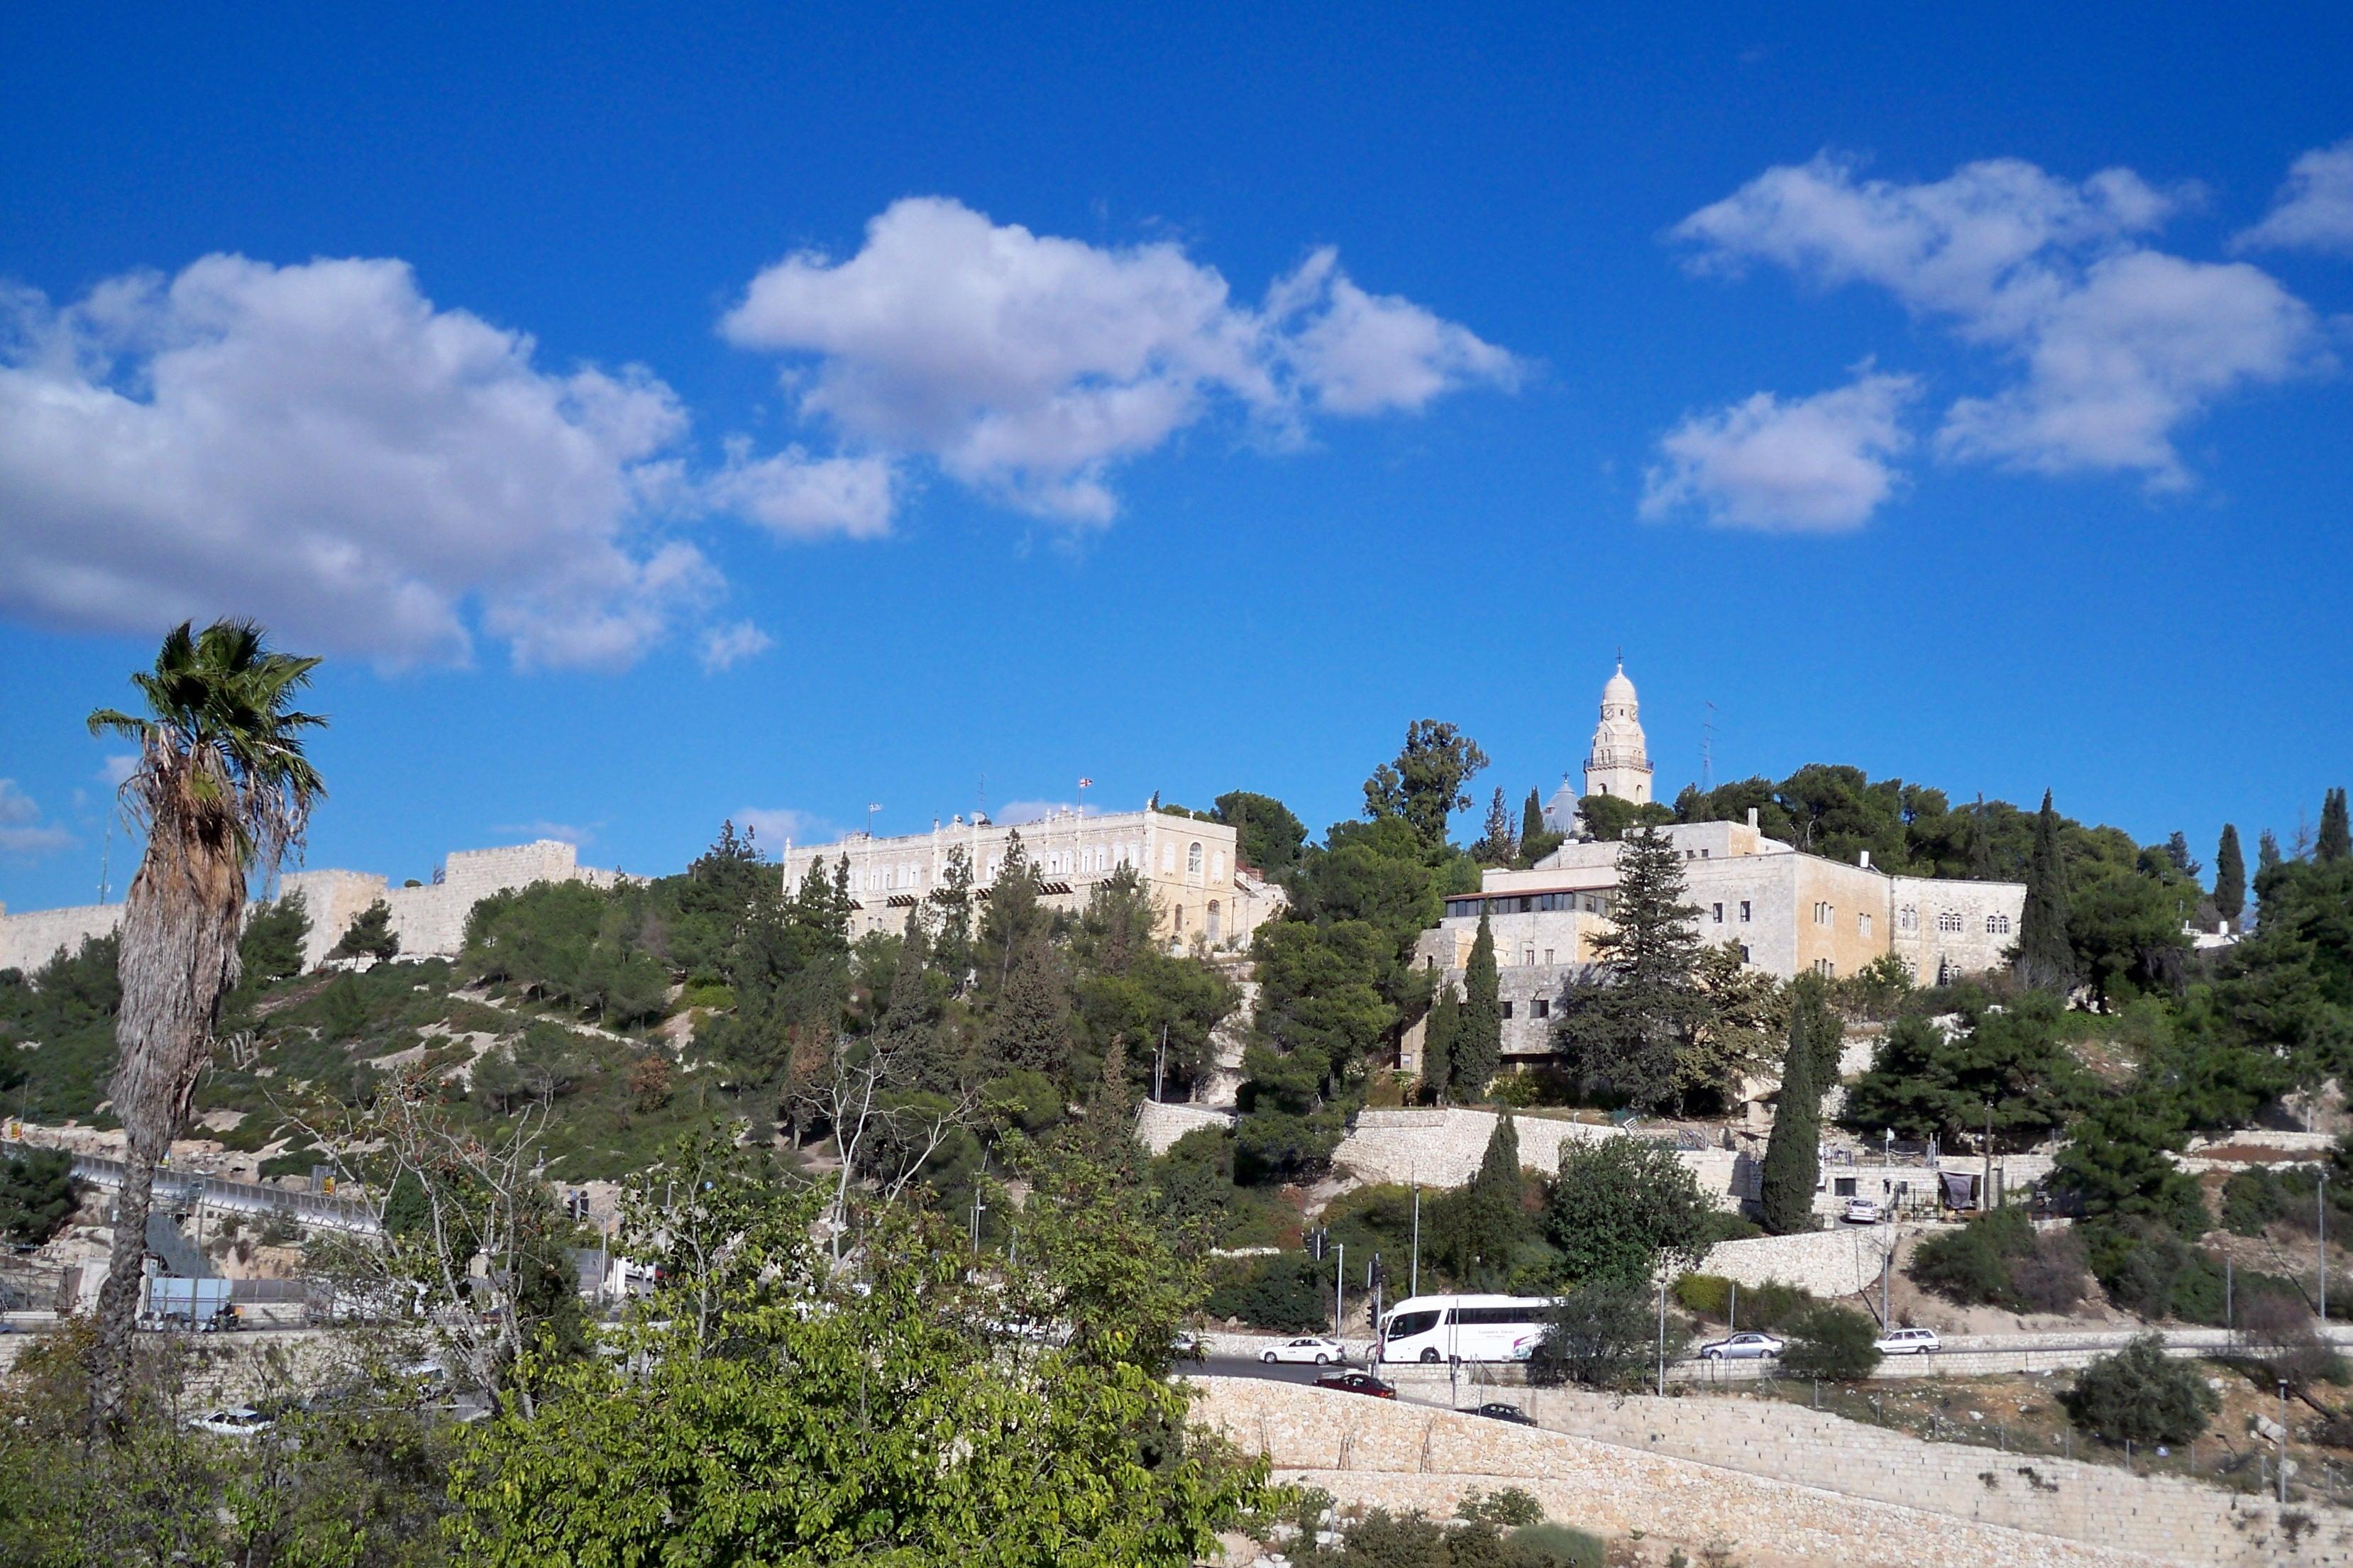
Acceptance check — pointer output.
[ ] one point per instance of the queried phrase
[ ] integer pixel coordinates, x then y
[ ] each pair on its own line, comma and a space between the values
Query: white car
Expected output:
1743, 1347
239, 1421
1908, 1342
1862, 1211
1308, 1348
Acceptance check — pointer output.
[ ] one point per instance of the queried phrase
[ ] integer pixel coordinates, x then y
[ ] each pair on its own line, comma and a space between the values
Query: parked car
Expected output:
1742, 1347
1863, 1211
1499, 1411
1909, 1342
238, 1421
1358, 1383
1306, 1347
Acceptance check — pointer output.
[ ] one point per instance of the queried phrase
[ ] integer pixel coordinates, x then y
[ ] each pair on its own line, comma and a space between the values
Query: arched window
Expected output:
1950, 921
1907, 918
1193, 861
1217, 921
1217, 864
1997, 925
1179, 912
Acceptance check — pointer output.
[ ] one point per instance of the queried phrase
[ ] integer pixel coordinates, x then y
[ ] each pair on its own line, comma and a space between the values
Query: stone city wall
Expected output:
1159, 1126
1376, 1453
1441, 1146
30, 939
1826, 1262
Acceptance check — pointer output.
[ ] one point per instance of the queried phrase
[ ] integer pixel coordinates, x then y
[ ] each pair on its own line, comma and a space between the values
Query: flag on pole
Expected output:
1086, 783
873, 805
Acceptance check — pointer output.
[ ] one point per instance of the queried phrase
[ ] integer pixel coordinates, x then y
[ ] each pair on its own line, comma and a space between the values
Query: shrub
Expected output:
1834, 1342
1604, 1336
1509, 1506
2281, 1328
2251, 1199
1998, 1259
1771, 1305
1622, 1207
1555, 1546
1287, 1292
37, 1194
2137, 1396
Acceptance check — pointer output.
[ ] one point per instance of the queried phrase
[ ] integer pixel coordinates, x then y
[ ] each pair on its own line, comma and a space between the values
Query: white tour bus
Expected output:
1462, 1328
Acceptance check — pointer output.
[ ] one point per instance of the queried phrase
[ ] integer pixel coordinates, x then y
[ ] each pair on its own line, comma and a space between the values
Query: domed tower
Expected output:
1619, 763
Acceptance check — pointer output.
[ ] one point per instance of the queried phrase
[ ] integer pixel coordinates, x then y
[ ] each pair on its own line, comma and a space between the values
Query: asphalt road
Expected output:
1244, 1366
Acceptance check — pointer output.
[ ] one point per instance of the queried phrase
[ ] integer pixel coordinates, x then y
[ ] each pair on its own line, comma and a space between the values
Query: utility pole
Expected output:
1413, 1272
1886, 1267
1340, 1292
1663, 1336
1159, 1062
2282, 1444
1985, 1197
2323, 1247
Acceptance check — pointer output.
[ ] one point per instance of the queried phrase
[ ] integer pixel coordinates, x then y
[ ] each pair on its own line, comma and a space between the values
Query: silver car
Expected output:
1743, 1347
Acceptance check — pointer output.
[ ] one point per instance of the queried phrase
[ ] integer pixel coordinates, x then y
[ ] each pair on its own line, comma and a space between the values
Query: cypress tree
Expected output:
2335, 840
1793, 1153
1492, 1212
1479, 1048
2044, 960
1438, 1039
2230, 876
1532, 822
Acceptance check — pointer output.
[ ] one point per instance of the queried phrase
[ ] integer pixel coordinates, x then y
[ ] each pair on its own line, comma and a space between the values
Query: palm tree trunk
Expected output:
179, 958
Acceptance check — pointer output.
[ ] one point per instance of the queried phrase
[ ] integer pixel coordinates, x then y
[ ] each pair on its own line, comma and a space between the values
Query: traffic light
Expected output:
1319, 1242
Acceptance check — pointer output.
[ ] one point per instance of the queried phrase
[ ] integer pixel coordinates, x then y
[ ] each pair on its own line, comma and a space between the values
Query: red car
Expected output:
1358, 1383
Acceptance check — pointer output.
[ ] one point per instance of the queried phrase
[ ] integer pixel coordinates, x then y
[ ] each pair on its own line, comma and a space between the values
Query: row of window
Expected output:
1716, 912
1527, 904
1539, 1008
1907, 921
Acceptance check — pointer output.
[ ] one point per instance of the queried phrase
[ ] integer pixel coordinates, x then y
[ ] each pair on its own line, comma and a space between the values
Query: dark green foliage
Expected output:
1610, 817
1510, 1508
1622, 1208
1320, 1013
1266, 834
370, 936
1772, 1306
1536, 840
1478, 1047
572, 944
2253, 1199
1438, 1042
1498, 844
1385, 1540
1625, 1036
1288, 1292
2334, 844
1424, 785
1998, 1260
1477, 1231
37, 1194
2140, 1396
66, 1008
2044, 959
270, 948
2230, 876
2114, 1165
2153, 1274
1922, 1084
1793, 1152
1604, 1335
1834, 1343
2176, 855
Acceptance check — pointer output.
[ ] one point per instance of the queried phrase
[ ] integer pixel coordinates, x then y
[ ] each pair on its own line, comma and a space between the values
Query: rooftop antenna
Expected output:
984, 795
1708, 753
106, 862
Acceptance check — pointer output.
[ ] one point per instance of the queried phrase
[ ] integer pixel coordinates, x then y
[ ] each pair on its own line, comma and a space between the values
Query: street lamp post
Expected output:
2323, 1217
1984, 1196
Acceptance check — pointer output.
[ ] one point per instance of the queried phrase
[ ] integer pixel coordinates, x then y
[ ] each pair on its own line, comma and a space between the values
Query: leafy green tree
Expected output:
1609, 818
1438, 1043
1925, 1083
1832, 1342
1486, 1221
952, 898
271, 948
2044, 959
1743, 1014
2230, 876
1029, 1023
1498, 845
2140, 1396
768, 1408
37, 1194
2114, 1163
1603, 1335
1626, 1034
1792, 1166
1320, 1013
2335, 843
1266, 834
1478, 1045
1624, 1208
1424, 784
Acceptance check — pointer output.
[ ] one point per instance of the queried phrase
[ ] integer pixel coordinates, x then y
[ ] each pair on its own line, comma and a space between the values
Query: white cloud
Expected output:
1810, 465
724, 648
776, 826
114, 770
562, 832
1026, 365
320, 447
2118, 344
799, 497
2314, 210
22, 831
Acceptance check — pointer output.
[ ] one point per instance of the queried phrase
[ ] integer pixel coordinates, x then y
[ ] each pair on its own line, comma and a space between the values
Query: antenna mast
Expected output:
1707, 751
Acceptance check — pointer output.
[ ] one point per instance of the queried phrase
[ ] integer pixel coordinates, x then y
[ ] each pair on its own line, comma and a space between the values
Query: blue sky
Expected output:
663, 413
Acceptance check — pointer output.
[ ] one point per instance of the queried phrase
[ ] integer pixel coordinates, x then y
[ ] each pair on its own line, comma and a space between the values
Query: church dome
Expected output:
1620, 689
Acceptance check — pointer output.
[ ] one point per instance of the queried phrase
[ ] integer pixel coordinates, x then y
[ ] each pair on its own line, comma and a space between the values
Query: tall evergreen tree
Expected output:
2177, 850
1438, 1038
2230, 876
2044, 959
1628, 1034
2335, 840
1491, 1214
1424, 785
1981, 866
1532, 822
1479, 1046
1793, 1152
2267, 851
1498, 845
1029, 1024
952, 950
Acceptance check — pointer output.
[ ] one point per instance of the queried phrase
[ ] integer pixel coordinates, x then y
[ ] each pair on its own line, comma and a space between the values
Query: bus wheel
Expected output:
1430, 1358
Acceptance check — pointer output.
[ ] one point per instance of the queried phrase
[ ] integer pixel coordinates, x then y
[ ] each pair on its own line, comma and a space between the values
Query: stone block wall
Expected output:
1806, 1512
1158, 1126
1441, 1146
30, 939
1826, 1262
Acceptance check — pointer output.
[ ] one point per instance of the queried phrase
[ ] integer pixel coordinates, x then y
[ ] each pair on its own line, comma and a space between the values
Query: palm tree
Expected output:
223, 790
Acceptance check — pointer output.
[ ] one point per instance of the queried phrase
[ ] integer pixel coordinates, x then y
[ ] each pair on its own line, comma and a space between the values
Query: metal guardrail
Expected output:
218, 1191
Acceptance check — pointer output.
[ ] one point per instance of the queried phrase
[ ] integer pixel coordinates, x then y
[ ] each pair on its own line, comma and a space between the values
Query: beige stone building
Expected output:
1206, 896
1790, 913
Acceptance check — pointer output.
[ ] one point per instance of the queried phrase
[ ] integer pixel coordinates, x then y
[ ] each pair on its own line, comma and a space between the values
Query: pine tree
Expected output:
1479, 1046
2267, 851
370, 936
2177, 850
1498, 845
2044, 960
2335, 840
1029, 1026
1793, 1153
1438, 1039
952, 951
2230, 876
1629, 1034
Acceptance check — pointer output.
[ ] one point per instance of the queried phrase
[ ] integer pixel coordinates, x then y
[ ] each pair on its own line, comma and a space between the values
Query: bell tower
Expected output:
1619, 763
